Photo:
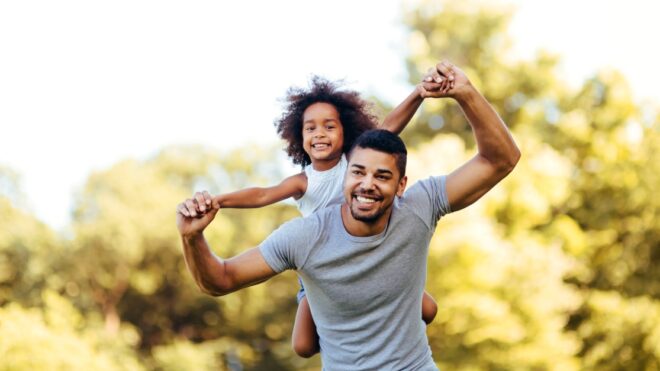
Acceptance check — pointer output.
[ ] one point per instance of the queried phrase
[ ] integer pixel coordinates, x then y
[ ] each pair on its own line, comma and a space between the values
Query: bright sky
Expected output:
84, 84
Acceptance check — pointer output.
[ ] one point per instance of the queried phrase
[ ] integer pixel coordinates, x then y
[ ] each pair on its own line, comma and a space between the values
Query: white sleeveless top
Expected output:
324, 188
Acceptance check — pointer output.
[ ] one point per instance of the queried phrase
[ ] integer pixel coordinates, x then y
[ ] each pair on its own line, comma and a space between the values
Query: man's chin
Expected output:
366, 217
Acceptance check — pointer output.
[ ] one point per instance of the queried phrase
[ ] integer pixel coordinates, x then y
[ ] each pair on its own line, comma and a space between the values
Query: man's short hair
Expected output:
384, 141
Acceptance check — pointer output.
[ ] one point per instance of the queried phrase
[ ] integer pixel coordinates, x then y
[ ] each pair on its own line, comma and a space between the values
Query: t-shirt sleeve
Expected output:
428, 199
288, 246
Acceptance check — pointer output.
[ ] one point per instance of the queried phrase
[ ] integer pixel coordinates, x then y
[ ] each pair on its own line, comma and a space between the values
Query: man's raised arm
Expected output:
498, 153
213, 275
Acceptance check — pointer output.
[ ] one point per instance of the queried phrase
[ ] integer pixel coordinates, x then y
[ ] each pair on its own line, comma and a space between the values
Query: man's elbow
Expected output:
508, 162
212, 292
512, 160
213, 289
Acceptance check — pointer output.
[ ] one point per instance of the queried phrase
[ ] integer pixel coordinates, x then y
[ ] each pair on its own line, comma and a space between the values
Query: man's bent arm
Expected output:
215, 276
498, 153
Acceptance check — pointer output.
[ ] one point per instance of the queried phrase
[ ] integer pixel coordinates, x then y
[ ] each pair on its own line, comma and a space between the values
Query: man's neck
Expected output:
359, 228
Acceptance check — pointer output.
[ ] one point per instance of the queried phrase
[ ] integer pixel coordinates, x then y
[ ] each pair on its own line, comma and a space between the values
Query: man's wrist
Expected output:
193, 237
466, 94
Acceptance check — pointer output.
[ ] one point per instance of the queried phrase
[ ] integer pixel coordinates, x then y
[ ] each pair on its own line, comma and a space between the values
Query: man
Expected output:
364, 262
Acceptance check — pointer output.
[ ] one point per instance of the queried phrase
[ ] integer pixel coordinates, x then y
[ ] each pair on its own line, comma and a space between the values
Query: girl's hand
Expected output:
444, 80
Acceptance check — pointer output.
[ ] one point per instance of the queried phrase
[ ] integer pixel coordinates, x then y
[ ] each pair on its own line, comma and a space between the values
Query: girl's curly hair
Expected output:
353, 113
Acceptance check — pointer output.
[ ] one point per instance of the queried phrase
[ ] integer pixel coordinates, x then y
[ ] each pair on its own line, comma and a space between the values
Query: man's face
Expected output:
323, 134
371, 183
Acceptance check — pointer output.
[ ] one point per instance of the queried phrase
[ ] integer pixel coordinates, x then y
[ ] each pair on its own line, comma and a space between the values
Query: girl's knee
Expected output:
429, 310
303, 347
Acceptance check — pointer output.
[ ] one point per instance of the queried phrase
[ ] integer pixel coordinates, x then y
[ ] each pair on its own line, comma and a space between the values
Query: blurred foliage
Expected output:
555, 269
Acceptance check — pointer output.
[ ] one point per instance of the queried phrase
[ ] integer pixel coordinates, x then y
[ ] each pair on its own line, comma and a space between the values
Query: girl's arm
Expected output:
401, 115
293, 186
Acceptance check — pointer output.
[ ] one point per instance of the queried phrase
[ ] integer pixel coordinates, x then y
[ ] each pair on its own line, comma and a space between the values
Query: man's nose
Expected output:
368, 182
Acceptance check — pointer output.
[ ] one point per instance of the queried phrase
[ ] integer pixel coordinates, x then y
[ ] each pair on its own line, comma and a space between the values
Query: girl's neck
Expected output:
323, 165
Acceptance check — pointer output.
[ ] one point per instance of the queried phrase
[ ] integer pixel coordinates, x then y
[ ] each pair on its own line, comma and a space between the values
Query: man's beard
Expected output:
368, 218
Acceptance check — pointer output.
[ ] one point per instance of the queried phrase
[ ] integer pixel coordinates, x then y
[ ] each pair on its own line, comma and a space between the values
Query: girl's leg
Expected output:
305, 340
429, 308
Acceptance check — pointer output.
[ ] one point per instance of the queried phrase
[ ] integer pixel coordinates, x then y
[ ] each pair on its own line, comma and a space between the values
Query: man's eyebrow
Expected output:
379, 171
384, 171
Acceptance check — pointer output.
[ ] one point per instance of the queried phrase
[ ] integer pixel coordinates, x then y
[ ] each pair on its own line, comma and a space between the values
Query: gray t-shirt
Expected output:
365, 293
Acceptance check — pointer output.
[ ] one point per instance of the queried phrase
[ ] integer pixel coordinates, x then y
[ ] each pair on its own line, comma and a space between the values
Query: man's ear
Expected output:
402, 186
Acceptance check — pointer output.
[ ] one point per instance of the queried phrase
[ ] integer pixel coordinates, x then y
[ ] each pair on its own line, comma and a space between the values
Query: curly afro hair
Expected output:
354, 114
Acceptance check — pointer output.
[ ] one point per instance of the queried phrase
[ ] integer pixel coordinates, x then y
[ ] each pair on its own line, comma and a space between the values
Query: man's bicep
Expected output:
247, 269
469, 182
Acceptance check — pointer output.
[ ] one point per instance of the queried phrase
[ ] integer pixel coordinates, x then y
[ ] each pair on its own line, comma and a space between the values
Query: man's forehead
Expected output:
367, 158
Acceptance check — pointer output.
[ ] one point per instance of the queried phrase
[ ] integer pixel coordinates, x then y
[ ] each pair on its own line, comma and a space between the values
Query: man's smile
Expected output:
366, 200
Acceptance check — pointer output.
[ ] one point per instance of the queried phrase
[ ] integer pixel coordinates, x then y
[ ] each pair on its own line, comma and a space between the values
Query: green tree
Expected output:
127, 259
583, 192
29, 250
57, 337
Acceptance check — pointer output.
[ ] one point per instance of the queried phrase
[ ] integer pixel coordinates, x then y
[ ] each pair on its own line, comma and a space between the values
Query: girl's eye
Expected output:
309, 128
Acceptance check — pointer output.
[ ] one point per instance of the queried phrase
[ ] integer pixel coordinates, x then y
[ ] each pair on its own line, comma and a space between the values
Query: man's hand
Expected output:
195, 214
444, 80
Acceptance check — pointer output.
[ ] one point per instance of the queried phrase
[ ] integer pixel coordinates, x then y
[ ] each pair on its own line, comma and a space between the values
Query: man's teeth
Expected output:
365, 200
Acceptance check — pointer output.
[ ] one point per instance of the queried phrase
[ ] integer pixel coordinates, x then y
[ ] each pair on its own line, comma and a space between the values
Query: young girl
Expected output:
320, 125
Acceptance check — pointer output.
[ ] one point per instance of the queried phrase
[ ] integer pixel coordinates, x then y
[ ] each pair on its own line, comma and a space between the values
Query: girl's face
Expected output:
323, 135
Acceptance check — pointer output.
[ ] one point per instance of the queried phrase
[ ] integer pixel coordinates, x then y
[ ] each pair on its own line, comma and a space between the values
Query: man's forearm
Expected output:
206, 268
494, 141
401, 115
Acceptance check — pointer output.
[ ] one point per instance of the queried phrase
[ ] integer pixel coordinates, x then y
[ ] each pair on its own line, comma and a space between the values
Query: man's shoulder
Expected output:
423, 187
426, 199
314, 222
